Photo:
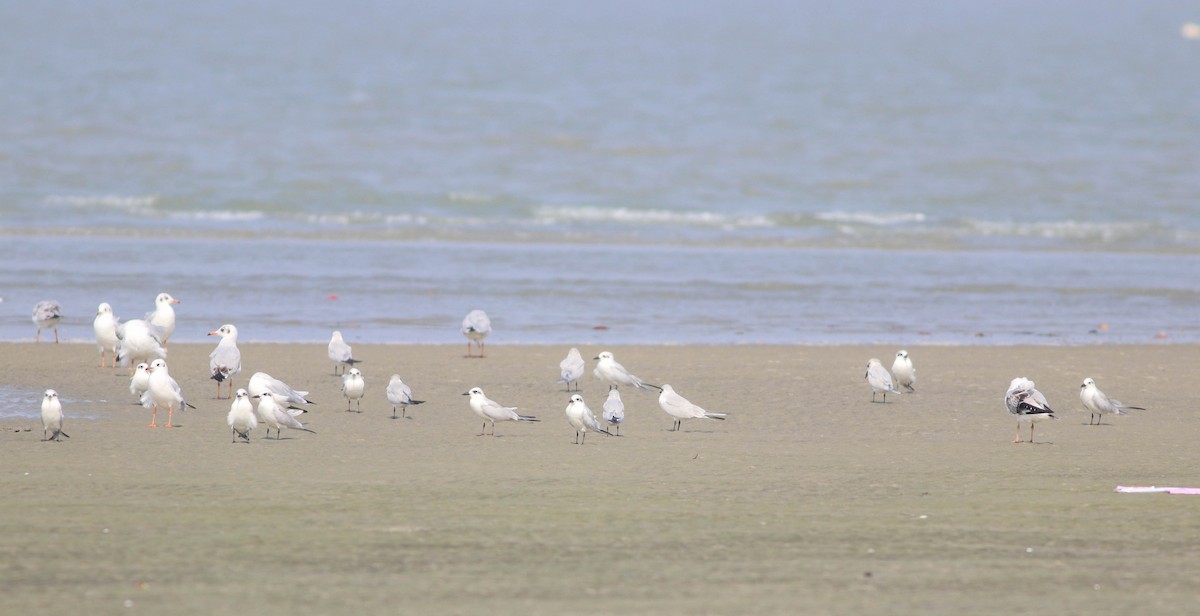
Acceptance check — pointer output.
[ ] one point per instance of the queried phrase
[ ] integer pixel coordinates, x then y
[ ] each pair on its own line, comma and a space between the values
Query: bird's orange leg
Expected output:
170, 416
154, 418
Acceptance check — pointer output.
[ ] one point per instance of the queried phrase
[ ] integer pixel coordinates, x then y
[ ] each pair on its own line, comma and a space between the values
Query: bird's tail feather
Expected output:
185, 404
416, 402
720, 416
527, 418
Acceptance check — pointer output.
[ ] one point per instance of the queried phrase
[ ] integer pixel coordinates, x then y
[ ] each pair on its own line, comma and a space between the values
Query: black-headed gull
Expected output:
491, 411
1099, 404
241, 419
46, 315
140, 381
52, 417
274, 414
476, 326
225, 360
1027, 404
571, 369
105, 328
262, 382
614, 409
903, 371
400, 395
163, 316
141, 341
609, 371
163, 391
878, 378
681, 408
340, 354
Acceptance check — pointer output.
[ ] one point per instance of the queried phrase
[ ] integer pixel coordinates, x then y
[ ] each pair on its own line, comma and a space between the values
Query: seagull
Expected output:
140, 381
339, 352
225, 360
1099, 404
105, 326
903, 371
609, 371
400, 395
353, 387
163, 391
491, 411
476, 326
571, 369
272, 412
262, 382
614, 409
163, 316
52, 417
581, 418
141, 341
680, 408
879, 380
46, 315
242, 420
1027, 403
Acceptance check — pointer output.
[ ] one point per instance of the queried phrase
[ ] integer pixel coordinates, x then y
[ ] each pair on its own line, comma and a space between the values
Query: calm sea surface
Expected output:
669, 172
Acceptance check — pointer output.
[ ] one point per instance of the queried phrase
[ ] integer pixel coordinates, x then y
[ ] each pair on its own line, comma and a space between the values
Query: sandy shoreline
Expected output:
807, 496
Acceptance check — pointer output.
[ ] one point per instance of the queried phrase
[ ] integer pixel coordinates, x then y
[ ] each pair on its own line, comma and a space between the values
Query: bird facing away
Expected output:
614, 410
225, 360
163, 391
1099, 404
614, 374
52, 417
46, 315
140, 381
400, 395
340, 354
262, 382
476, 326
273, 412
241, 419
680, 408
105, 328
903, 371
491, 411
582, 419
571, 369
141, 341
1027, 404
879, 379
163, 316
353, 387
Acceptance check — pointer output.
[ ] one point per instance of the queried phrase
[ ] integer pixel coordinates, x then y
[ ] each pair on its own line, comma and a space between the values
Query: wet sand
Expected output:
809, 498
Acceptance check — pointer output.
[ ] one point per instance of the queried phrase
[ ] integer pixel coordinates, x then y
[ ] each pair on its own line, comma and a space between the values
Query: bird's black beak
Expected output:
255, 396
466, 393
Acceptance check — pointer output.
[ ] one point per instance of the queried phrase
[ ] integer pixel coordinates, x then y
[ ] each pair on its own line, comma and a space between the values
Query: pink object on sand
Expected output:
1155, 489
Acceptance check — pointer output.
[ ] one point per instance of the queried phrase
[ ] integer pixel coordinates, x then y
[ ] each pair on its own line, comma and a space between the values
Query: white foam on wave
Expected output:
470, 197
867, 218
1063, 229
221, 215
133, 202
560, 214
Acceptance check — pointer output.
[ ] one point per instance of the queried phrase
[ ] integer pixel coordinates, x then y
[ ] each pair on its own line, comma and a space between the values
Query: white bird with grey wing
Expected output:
226, 360
614, 374
491, 411
105, 328
903, 371
614, 410
1027, 404
1099, 404
163, 316
681, 408
46, 315
400, 395
340, 353
571, 369
581, 418
476, 326
878, 378
163, 391
353, 387
273, 412
241, 419
52, 417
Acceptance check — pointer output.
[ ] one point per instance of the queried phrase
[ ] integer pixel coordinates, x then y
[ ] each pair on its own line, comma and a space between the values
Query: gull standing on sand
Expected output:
582, 419
242, 420
1027, 404
52, 417
46, 315
105, 327
163, 316
680, 408
476, 326
340, 353
163, 391
879, 379
571, 369
491, 411
903, 371
1099, 404
353, 387
225, 360
274, 414
400, 395
141, 341
261, 382
614, 409
609, 371
140, 381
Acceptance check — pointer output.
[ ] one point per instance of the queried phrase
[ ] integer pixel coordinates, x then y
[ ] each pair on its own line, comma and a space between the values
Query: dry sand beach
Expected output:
808, 499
